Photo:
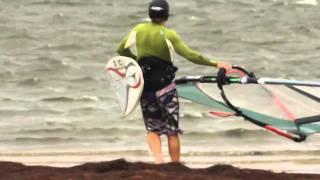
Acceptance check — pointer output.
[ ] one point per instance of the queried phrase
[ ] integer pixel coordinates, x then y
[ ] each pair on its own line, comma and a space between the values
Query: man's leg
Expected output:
154, 142
169, 105
152, 120
174, 147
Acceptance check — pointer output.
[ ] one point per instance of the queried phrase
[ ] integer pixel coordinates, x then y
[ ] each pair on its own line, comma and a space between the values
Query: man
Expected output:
159, 101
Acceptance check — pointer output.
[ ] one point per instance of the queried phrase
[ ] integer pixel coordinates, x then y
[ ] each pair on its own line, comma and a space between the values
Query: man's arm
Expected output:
183, 50
125, 51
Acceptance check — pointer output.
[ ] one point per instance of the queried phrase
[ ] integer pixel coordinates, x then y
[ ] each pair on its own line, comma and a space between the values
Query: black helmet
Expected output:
159, 9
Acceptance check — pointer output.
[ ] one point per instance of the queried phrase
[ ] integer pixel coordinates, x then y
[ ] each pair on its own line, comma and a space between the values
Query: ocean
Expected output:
57, 107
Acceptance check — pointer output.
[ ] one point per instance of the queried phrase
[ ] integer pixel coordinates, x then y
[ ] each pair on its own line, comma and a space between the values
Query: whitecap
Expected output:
92, 98
308, 2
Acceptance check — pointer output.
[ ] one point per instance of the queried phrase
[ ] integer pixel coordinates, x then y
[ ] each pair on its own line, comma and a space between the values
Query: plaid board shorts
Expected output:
160, 110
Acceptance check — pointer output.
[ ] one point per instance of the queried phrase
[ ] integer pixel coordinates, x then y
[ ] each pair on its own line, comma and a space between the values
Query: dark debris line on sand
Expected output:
121, 169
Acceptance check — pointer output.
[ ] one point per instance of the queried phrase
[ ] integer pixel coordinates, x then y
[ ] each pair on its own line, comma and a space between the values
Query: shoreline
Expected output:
275, 163
123, 169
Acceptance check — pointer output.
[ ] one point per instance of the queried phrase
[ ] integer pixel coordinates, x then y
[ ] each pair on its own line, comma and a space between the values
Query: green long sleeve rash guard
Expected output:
153, 39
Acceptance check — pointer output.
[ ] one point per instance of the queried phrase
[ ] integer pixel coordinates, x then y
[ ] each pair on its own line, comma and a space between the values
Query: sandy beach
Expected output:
122, 169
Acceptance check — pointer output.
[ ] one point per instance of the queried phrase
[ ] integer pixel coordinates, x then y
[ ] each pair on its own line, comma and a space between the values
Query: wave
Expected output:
307, 2
76, 132
192, 114
253, 153
53, 141
42, 131
18, 36
57, 63
238, 133
59, 3
71, 99
38, 69
264, 41
59, 99
80, 153
46, 112
11, 100
97, 132
85, 110
45, 139
64, 47
30, 82
85, 79
144, 152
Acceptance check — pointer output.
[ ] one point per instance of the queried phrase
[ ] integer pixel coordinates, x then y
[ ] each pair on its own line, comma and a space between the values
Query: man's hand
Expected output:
227, 66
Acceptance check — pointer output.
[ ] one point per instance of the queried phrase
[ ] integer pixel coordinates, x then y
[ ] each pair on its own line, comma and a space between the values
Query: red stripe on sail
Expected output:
221, 114
279, 132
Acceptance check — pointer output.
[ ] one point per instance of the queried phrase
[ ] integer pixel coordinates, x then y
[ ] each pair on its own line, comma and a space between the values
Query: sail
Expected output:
291, 108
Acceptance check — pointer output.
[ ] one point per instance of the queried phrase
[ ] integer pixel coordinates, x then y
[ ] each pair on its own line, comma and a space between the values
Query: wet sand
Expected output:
122, 169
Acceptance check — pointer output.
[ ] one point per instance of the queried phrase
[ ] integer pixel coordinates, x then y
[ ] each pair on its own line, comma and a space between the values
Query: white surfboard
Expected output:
126, 81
